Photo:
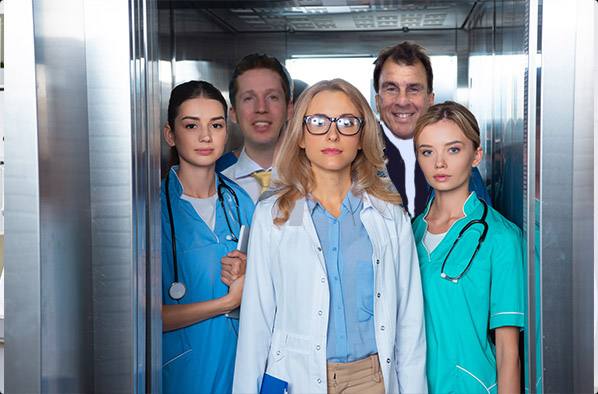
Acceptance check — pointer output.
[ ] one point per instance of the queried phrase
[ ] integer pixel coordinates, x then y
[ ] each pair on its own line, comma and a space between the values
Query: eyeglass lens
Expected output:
320, 124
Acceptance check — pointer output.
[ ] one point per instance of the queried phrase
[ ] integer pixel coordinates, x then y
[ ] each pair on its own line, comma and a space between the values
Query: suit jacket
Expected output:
395, 166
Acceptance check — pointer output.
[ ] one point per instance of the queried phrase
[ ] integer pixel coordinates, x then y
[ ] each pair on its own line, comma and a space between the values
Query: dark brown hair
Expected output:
405, 53
186, 91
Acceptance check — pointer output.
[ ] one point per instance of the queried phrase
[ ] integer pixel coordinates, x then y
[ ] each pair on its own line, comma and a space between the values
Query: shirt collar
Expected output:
396, 141
245, 166
470, 205
351, 203
174, 182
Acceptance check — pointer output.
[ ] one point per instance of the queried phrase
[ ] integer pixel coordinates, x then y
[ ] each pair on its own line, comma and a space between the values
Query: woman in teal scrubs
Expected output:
202, 273
471, 265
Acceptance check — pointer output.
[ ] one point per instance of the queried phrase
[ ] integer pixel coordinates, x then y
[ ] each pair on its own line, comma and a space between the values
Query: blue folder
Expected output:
272, 385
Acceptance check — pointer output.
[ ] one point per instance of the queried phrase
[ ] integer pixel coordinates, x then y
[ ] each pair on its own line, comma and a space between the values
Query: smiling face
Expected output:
331, 152
260, 107
446, 156
199, 133
403, 96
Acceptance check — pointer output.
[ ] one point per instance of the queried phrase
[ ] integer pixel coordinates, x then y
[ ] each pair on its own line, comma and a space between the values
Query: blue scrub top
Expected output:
461, 358
225, 161
199, 358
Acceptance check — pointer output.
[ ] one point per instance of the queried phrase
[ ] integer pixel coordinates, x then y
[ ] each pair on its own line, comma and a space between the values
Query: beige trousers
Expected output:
362, 376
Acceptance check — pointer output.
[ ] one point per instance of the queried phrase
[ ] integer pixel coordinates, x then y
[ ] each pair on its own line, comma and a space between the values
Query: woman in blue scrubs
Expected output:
471, 264
202, 273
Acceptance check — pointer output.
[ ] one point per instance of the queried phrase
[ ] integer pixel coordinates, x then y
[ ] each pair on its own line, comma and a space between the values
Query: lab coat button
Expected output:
377, 261
381, 328
319, 249
320, 313
319, 380
323, 280
317, 347
278, 352
388, 361
378, 295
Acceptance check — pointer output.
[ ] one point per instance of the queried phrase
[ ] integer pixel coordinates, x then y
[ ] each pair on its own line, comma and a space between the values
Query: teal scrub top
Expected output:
199, 358
459, 316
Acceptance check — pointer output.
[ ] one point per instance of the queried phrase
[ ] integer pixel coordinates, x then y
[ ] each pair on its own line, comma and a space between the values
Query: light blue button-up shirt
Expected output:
348, 254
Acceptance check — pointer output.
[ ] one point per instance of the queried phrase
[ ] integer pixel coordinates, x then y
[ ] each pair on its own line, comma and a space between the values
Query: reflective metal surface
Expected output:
64, 216
533, 364
82, 223
114, 274
22, 226
582, 203
566, 193
145, 176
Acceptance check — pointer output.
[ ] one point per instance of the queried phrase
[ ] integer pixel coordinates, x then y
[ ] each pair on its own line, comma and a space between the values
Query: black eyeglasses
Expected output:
319, 124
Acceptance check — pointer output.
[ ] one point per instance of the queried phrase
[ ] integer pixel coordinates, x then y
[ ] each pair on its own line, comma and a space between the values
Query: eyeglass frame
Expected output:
333, 120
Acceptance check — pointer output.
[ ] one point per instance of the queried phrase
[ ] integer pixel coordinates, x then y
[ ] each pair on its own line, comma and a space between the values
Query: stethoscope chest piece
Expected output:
177, 290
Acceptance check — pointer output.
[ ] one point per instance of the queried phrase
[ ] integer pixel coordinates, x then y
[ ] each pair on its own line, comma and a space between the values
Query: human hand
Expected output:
233, 267
235, 292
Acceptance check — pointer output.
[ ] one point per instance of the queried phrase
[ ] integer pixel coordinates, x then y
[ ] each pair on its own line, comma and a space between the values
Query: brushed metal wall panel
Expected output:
557, 194
65, 237
583, 201
22, 367
82, 219
114, 273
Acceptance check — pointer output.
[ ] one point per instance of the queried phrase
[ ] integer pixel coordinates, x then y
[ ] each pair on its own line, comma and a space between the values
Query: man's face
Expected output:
402, 97
260, 107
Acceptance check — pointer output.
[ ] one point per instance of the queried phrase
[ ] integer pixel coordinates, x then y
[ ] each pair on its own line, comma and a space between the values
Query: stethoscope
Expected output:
177, 289
471, 223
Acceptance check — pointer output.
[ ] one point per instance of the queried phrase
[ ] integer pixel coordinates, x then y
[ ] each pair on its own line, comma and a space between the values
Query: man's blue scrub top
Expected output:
459, 316
199, 358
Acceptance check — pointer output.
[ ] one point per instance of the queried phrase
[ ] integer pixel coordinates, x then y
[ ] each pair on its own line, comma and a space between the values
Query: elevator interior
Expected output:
485, 54
85, 101
478, 51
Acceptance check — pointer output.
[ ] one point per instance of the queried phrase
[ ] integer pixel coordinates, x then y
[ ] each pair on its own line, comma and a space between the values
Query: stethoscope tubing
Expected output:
177, 289
482, 221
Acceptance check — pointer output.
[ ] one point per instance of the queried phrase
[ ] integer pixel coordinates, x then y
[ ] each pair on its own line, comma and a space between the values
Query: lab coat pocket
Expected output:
277, 350
468, 381
276, 365
365, 307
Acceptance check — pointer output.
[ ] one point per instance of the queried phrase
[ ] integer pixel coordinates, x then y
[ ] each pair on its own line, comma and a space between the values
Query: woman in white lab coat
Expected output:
332, 299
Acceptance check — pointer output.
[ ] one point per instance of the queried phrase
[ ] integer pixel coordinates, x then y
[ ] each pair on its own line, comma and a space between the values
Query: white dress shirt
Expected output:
240, 173
405, 147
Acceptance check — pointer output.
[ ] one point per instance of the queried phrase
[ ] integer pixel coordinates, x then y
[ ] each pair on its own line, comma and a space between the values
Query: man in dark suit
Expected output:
403, 81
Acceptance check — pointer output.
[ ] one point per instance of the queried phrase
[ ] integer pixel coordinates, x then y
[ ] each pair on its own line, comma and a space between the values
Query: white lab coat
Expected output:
284, 313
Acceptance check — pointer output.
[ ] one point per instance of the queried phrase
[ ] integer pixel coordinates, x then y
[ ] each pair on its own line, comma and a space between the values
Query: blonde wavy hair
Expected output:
294, 175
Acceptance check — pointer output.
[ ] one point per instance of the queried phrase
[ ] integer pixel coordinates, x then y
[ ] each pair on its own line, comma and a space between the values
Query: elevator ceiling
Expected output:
251, 16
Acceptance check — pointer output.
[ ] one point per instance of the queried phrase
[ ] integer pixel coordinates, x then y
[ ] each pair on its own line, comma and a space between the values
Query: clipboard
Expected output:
241, 247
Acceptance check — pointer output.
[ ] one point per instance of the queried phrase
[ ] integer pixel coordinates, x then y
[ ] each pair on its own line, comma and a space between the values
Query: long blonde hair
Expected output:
294, 175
